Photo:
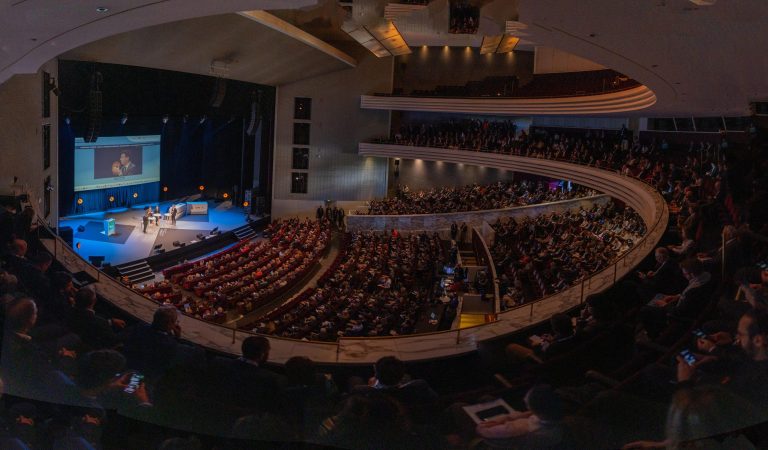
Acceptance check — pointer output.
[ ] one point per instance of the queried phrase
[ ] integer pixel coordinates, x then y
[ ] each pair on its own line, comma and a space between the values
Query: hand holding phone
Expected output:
688, 357
133, 383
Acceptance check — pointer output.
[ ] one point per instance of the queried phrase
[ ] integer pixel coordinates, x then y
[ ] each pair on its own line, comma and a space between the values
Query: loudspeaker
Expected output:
176, 244
158, 246
96, 260
80, 228
214, 231
67, 234
219, 91
160, 251
94, 109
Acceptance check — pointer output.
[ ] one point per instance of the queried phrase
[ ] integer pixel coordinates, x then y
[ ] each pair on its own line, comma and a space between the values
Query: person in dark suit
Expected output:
687, 304
152, 349
145, 220
172, 213
666, 278
562, 340
249, 384
320, 212
390, 379
95, 331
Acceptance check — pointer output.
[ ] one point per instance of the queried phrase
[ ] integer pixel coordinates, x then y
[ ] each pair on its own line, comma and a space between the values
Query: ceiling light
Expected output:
102, 9
503, 43
382, 40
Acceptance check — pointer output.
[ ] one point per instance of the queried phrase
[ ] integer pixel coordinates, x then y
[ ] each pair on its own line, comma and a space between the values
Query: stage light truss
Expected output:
502, 43
382, 40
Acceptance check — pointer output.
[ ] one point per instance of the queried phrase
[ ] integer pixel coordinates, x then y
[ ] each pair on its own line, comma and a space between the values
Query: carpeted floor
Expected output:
193, 218
166, 236
94, 231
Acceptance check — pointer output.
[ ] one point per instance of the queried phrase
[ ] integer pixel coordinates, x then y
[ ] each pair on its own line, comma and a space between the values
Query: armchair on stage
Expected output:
187, 208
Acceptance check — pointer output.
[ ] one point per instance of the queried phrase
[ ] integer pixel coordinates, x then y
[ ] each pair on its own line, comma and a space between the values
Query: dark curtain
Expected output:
66, 168
99, 199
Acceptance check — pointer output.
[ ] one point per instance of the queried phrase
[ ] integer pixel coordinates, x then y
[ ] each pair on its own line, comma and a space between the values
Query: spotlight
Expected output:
201, 187
111, 198
165, 119
135, 195
225, 195
245, 204
79, 201
165, 188
67, 120
124, 119
202, 119
53, 88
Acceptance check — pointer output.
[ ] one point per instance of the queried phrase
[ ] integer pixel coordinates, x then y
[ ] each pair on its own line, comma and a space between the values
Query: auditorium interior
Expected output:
382, 224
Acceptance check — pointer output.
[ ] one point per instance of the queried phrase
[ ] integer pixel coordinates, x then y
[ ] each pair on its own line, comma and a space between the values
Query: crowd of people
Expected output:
473, 198
245, 276
376, 287
536, 257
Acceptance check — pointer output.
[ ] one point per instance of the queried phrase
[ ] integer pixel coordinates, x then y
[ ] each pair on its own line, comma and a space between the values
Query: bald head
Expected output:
18, 247
20, 315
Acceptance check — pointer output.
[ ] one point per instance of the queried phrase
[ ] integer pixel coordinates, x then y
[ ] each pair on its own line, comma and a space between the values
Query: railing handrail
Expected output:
337, 344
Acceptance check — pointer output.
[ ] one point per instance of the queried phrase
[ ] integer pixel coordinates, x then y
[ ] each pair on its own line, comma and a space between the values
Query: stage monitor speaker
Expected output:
215, 231
183, 244
200, 236
176, 244
160, 251
158, 246
96, 260
67, 234
80, 228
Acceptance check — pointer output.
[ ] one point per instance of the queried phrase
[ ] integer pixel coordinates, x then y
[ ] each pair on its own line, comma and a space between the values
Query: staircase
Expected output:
136, 272
244, 232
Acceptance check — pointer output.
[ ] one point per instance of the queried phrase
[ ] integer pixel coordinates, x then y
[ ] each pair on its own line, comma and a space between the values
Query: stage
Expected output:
131, 244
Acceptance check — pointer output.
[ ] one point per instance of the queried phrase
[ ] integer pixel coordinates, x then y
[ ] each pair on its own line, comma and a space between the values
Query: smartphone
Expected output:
133, 383
700, 334
688, 357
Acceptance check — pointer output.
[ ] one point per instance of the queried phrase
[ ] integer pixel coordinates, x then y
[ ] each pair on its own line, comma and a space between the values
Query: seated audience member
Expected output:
666, 278
541, 426
687, 304
308, 395
747, 373
26, 361
390, 379
34, 275
706, 417
543, 347
251, 385
95, 331
373, 421
152, 349
687, 247
16, 257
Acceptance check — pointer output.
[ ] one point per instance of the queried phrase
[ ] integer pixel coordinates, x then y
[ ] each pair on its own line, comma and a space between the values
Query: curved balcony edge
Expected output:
627, 100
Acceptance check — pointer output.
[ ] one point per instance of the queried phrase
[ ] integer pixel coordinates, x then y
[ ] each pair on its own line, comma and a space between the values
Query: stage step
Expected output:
244, 232
137, 272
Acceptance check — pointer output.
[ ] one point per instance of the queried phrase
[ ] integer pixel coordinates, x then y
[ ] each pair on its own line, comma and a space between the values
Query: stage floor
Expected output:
132, 244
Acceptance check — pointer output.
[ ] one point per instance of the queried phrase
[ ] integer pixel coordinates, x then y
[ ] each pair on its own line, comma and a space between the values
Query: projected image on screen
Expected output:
116, 161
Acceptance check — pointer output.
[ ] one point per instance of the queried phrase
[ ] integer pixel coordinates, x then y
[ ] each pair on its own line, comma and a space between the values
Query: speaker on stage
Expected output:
67, 234
96, 260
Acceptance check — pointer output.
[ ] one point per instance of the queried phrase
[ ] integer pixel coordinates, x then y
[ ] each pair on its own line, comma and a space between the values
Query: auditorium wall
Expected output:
335, 171
21, 138
552, 60
429, 67
432, 222
418, 174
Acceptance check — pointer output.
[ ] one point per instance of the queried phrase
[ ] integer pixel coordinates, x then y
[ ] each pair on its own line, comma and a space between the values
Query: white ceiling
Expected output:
253, 52
699, 60
35, 31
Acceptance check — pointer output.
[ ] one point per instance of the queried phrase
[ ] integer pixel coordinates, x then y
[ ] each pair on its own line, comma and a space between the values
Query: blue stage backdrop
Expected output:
98, 199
